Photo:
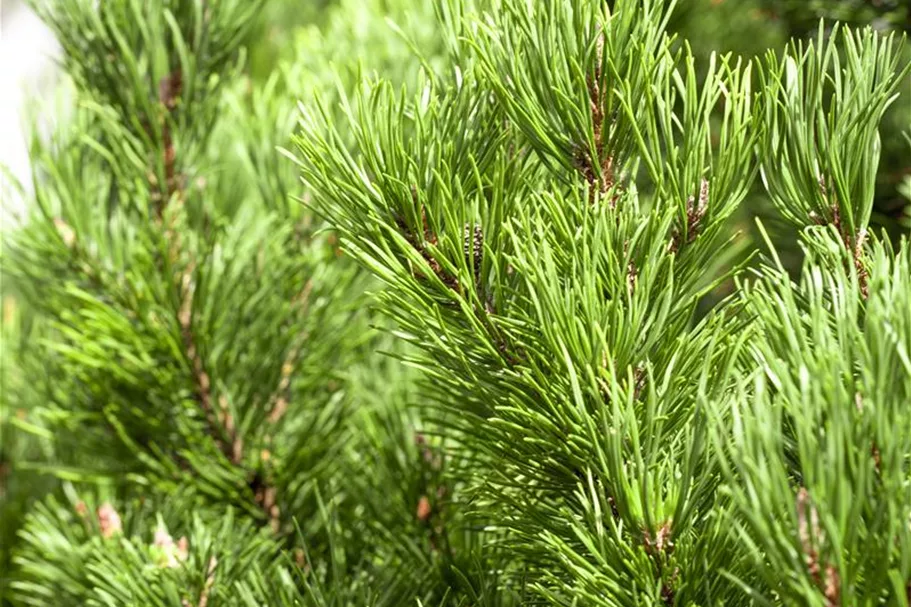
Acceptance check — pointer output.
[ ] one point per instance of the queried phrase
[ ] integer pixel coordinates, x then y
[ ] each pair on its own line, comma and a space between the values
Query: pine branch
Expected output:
601, 180
695, 214
279, 400
169, 91
220, 425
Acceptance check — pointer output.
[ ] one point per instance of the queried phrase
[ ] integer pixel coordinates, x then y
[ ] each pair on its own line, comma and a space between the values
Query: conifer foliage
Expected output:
526, 203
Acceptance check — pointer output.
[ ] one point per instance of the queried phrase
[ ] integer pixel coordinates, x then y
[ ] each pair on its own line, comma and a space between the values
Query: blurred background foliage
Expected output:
302, 39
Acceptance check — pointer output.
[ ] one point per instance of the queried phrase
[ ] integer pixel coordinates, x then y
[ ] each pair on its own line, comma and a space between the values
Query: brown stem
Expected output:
169, 90
264, 491
804, 532
696, 210
832, 588
660, 548
854, 245
279, 398
221, 425
220, 422
429, 237
475, 248
632, 272
600, 179
827, 578
207, 587
232, 448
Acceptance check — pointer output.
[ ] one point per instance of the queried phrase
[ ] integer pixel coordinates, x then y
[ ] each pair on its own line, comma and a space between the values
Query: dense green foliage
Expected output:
446, 304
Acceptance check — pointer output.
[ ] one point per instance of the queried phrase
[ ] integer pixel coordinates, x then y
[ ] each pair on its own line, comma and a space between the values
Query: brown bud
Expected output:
424, 509
108, 520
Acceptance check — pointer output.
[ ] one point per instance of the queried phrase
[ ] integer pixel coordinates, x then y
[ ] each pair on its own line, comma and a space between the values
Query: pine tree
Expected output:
192, 376
551, 281
492, 380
